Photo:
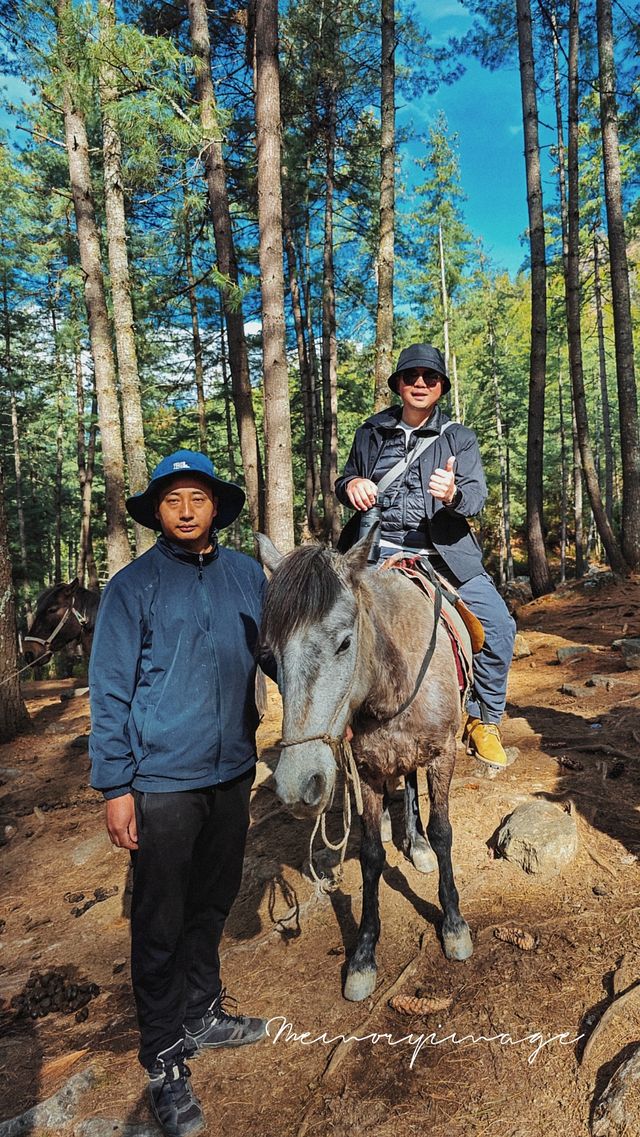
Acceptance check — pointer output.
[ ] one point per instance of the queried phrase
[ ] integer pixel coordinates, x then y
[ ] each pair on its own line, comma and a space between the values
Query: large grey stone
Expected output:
617, 1113
539, 837
55, 1113
573, 652
630, 649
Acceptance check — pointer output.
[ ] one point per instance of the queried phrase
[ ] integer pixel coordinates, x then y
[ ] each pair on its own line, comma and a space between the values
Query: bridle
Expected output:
81, 617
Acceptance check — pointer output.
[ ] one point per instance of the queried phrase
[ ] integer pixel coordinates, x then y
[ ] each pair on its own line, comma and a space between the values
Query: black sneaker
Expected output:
218, 1027
174, 1104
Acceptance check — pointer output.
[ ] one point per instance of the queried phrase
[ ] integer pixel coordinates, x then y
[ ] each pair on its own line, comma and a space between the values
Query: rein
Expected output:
81, 617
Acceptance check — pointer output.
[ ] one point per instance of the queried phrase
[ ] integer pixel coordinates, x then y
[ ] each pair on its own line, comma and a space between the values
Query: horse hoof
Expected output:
385, 828
359, 985
458, 945
422, 856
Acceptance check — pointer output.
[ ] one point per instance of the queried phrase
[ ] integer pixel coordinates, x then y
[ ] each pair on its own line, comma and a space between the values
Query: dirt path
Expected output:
285, 946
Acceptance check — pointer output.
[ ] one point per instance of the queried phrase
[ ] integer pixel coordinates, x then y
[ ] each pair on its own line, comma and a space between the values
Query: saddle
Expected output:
465, 631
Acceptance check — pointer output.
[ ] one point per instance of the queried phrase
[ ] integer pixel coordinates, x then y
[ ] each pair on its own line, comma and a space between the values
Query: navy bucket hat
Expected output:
142, 506
420, 355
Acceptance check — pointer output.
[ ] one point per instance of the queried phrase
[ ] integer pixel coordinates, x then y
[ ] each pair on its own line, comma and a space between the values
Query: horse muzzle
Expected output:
304, 781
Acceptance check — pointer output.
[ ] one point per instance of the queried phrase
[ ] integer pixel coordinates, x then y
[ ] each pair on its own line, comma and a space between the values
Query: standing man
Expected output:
424, 509
172, 748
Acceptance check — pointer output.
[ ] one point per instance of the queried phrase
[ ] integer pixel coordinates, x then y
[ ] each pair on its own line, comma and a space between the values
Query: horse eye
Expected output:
346, 643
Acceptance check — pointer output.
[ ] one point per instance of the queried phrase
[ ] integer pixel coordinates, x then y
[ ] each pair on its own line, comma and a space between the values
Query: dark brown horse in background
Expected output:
350, 643
65, 614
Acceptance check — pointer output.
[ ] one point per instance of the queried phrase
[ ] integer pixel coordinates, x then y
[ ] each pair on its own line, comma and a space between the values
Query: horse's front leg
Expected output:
456, 937
416, 845
361, 969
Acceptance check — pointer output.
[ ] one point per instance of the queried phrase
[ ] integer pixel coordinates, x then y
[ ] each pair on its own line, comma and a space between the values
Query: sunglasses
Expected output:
431, 379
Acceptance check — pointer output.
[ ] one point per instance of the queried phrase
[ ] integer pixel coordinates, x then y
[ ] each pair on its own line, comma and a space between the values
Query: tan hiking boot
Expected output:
484, 741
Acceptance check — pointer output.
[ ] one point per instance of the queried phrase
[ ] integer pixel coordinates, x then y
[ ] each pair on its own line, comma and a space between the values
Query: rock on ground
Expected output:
540, 837
630, 649
55, 1113
617, 1113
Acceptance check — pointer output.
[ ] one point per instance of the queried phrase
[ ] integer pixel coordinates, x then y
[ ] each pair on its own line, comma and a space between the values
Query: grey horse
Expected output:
350, 643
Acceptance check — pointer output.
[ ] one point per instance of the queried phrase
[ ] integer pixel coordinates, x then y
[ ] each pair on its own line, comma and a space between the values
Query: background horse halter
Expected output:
64, 613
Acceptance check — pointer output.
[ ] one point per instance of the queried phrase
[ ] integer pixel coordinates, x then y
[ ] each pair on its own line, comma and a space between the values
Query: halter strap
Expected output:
81, 617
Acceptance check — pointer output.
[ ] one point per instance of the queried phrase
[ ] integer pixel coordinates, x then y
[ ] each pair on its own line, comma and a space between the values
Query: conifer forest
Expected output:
215, 233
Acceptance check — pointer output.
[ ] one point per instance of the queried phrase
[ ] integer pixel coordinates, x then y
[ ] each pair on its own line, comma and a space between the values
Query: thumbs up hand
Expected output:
442, 484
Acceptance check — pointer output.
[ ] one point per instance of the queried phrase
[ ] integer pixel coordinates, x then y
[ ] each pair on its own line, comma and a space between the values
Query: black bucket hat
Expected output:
142, 506
420, 355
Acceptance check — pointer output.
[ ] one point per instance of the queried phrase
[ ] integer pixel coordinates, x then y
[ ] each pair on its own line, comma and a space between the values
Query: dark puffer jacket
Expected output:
378, 444
172, 673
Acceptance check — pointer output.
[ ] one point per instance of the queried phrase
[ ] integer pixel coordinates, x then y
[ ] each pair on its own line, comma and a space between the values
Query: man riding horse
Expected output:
425, 474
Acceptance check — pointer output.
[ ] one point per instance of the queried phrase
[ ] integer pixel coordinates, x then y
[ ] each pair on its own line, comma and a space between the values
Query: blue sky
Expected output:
483, 108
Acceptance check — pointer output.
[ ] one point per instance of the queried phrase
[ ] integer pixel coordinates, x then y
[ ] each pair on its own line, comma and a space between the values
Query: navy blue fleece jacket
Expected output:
172, 672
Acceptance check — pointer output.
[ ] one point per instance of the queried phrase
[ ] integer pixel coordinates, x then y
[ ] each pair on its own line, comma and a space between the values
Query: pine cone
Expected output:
523, 940
415, 1005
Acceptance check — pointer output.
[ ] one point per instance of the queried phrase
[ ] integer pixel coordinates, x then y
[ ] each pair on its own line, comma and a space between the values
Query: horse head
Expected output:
52, 622
314, 621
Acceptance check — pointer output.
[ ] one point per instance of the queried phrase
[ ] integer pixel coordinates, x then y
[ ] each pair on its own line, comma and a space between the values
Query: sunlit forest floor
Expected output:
285, 946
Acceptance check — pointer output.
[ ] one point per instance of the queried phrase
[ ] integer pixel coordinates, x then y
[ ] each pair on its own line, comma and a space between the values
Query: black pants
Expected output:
186, 874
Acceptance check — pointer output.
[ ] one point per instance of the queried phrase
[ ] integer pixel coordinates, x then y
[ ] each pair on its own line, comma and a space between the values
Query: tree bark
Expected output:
329, 464
195, 330
57, 496
85, 565
506, 552
277, 420
620, 294
118, 551
311, 475
15, 432
564, 497
13, 713
538, 566
604, 389
215, 174
123, 322
572, 279
385, 259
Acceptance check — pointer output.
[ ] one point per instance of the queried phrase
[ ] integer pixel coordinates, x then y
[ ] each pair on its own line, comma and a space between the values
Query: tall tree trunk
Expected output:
572, 279
506, 557
57, 496
236, 536
120, 277
564, 478
277, 420
444, 297
604, 389
118, 551
538, 566
578, 510
306, 380
384, 316
195, 328
13, 713
215, 174
15, 432
620, 295
329, 466
85, 567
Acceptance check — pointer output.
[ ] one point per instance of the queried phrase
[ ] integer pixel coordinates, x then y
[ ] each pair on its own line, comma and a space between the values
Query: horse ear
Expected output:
357, 557
74, 584
267, 552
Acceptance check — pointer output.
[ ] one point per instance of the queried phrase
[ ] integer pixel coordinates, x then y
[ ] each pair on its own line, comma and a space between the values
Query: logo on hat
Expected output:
181, 466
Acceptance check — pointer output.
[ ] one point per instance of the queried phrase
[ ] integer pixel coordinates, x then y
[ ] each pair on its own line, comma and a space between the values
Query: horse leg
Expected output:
361, 970
416, 845
456, 937
385, 821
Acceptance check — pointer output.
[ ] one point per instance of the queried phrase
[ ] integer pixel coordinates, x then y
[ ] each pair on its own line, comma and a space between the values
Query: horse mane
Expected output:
303, 589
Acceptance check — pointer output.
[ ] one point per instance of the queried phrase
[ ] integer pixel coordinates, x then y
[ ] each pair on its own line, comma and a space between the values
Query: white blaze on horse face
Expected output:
316, 673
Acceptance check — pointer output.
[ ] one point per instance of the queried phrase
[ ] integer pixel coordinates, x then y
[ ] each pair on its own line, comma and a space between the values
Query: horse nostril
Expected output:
314, 790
